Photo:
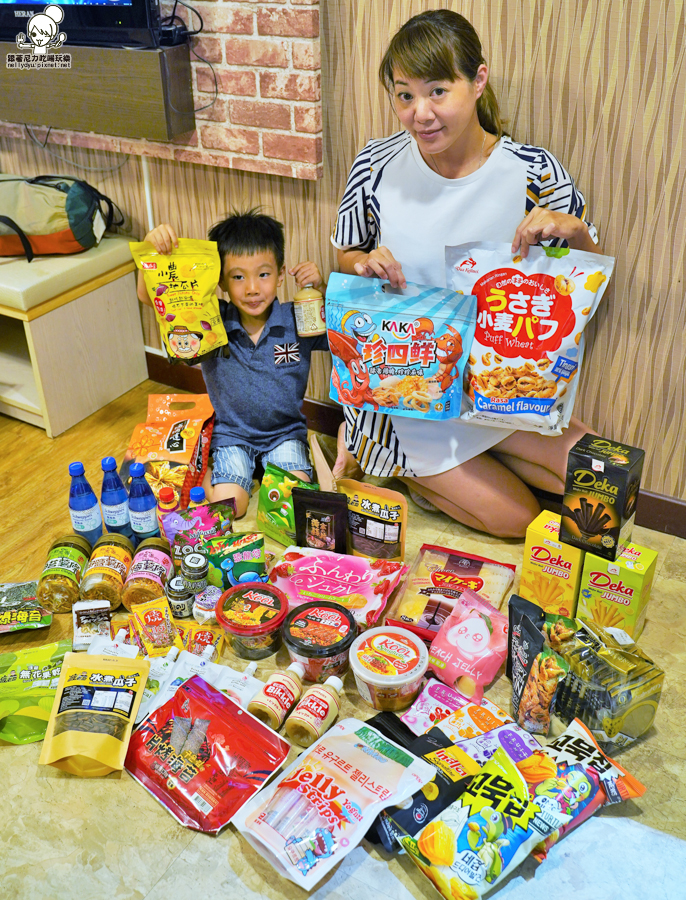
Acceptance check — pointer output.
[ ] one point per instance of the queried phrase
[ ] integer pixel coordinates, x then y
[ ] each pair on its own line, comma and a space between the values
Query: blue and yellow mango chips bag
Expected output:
398, 351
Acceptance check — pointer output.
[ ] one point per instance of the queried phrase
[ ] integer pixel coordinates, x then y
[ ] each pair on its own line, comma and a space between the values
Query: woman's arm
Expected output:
542, 224
380, 263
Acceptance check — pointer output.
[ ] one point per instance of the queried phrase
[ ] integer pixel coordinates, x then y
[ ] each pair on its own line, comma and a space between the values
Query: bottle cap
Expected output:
136, 470
194, 564
76, 468
172, 653
250, 669
208, 652
335, 682
167, 494
120, 636
108, 463
297, 668
197, 494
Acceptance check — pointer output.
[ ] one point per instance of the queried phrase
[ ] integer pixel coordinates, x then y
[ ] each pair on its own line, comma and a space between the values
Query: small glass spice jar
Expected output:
180, 598
194, 569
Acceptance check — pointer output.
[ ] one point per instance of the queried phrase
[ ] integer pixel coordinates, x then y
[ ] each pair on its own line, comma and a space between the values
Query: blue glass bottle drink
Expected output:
142, 505
114, 500
83, 505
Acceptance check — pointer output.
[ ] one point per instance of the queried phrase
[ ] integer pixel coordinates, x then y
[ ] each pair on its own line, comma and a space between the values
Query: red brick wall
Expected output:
267, 117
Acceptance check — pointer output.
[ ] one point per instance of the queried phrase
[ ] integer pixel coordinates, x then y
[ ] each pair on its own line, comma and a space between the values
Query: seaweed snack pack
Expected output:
319, 809
531, 313
470, 647
19, 608
616, 594
28, 681
357, 583
377, 520
601, 491
202, 756
551, 570
235, 559
275, 513
187, 529
154, 629
183, 289
93, 713
438, 578
400, 351
485, 834
321, 520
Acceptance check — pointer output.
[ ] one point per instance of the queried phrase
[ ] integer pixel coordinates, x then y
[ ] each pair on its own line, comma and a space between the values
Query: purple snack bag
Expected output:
517, 743
436, 702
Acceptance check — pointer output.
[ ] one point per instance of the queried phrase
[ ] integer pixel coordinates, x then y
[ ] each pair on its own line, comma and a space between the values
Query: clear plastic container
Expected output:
151, 567
107, 570
252, 615
58, 586
319, 637
388, 665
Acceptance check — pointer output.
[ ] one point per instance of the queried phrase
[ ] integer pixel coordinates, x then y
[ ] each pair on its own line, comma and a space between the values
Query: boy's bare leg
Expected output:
226, 491
346, 466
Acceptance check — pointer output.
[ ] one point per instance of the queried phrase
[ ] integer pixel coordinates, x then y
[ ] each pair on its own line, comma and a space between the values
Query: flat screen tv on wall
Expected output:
109, 23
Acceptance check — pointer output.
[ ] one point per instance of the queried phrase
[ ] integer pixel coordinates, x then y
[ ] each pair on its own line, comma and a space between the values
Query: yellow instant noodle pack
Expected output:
93, 713
183, 289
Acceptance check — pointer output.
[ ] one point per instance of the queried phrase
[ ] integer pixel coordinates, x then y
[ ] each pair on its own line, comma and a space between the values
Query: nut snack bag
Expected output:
183, 290
398, 351
528, 347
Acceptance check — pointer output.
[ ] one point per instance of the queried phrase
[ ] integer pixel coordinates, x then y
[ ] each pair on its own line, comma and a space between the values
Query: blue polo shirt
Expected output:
257, 392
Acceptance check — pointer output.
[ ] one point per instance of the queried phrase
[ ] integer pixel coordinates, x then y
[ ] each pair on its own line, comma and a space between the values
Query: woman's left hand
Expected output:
542, 224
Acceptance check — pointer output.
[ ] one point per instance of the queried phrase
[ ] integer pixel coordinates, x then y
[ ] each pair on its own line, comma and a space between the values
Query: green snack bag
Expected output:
19, 608
235, 559
28, 682
275, 514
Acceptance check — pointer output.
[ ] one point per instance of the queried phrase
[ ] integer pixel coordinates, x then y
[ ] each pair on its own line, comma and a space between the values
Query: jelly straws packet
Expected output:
489, 830
323, 804
182, 287
28, 681
202, 756
398, 351
524, 367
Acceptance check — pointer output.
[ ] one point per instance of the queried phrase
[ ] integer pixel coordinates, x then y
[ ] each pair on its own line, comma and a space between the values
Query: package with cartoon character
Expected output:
183, 289
187, 529
275, 512
523, 370
235, 559
400, 351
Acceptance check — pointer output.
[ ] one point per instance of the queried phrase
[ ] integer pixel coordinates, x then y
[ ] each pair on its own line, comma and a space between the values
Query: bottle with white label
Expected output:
142, 506
315, 713
84, 509
114, 500
276, 699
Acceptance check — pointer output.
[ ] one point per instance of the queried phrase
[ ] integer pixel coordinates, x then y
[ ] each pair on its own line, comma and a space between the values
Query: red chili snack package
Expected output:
202, 756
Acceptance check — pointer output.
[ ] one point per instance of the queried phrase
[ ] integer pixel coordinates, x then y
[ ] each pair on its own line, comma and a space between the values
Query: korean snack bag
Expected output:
470, 647
398, 351
436, 702
523, 370
183, 289
28, 681
275, 512
319, 809
201, 756
235, 558
93, 713
515, 741
472, 720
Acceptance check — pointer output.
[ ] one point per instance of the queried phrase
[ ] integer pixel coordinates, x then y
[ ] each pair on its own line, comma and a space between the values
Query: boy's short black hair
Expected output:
246, 233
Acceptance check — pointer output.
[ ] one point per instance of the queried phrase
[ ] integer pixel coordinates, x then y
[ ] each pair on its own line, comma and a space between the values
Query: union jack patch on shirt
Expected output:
286, 353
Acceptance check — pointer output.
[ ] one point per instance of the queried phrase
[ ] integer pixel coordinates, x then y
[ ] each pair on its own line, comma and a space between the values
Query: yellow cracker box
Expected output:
551, 571
615, 594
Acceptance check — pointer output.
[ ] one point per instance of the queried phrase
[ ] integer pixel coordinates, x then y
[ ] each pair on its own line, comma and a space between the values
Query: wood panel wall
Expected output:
601, 83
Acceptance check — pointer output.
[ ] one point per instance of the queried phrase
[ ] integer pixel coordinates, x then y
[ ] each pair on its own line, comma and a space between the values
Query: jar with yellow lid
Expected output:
107, 569
58, 586
152, 566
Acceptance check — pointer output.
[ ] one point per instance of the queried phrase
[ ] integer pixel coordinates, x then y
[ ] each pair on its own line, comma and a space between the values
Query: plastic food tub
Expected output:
388, 665
252, 615
319, 637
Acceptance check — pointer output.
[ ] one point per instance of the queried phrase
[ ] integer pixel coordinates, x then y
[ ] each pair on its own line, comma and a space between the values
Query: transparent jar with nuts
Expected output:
58, 586
107, 569
151, 568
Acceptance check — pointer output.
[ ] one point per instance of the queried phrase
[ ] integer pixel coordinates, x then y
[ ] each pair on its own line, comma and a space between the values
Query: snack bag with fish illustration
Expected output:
275, 511
183, 290
524, 367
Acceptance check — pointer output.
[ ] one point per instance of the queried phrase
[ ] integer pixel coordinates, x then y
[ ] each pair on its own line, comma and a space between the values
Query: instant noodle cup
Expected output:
251, 616
388, 665
319, 636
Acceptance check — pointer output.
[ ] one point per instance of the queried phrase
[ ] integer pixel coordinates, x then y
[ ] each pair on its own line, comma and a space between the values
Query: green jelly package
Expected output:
235, 559
275, 513
28, 681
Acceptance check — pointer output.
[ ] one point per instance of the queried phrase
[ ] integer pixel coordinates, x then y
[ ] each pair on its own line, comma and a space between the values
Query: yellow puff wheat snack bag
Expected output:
182, 287
93, 713
524, 365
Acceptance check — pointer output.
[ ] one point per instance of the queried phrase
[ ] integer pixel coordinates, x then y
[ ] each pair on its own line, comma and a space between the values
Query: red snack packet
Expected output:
202, 756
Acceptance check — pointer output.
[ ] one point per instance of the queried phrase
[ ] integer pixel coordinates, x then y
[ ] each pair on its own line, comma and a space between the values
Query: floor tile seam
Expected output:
194, 837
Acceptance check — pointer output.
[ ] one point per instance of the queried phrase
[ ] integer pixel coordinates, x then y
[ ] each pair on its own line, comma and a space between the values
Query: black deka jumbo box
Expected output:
601, 490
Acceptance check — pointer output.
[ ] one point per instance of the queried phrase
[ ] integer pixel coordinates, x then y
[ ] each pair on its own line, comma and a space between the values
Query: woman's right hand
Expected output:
163, 238
381, 263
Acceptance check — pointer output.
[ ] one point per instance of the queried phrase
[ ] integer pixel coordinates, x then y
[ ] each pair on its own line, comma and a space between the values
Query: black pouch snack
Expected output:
321, 520
516, 608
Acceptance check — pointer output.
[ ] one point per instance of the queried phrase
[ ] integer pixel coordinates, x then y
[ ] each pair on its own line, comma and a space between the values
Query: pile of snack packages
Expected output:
468, 790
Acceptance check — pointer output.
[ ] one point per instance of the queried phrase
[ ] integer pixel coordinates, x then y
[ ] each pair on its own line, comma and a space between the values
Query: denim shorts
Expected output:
236, 464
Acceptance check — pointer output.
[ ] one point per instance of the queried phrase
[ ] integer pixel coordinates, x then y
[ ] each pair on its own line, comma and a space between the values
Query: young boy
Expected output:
257, 391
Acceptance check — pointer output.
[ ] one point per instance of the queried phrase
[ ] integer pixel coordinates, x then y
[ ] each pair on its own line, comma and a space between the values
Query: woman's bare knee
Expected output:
510, 519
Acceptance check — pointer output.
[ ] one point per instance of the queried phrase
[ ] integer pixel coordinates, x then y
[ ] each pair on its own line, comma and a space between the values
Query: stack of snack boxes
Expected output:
551, 571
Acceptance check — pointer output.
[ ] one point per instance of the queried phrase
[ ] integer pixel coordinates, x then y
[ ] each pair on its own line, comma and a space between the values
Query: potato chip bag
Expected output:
28, 681
183, 290
524, 366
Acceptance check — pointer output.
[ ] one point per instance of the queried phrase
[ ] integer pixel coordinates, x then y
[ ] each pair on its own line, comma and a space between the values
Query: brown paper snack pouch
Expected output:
183, 289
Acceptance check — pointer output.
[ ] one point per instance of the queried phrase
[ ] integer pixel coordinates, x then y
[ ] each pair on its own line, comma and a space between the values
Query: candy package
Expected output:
400, 351
438, 577
28, 681
275, 513
523, 370
154, 630
235, 558
183, 289
187, 529
93, 713
19, 608
377, 520
515, 741
435, 703
359, 584
470, 647
319, 809
472, 720
202, 756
